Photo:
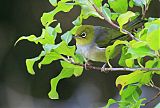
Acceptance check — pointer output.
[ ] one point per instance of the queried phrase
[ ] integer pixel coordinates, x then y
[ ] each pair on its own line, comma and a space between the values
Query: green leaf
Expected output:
67, 37
153, 39
129, 62
47, 19
49, 57
58, 28
78, 21
158, 105
45, 37
65, 7
119, 6
98, 3
153, 64
63, 48
30, 63
87, 9
110, 102
77, 70
30, 38
130, 91
140, 52
51, 31
130, 97
140, 2
114, 16
106, 11
124, 80
135, 44
110, 50
131, 3
74, 29
146, 79
53, 2
124, 18
124, 56
67, 71
78, 59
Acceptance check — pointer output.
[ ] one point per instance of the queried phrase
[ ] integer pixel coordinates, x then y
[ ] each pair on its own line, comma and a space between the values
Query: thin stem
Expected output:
115, 69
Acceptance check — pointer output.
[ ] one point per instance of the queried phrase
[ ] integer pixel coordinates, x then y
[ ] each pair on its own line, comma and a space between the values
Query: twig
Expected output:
111, 23
155, 97
106, 70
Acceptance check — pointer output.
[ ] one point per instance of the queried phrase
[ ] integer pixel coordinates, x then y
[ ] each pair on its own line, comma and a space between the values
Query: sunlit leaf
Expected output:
30, 63
78, 21
63, 48
129, 62
124, 80
131, 97
153, 64
67, 71
106, 11
67, 37
110, 102
87, 9
124, 18
153, 39
30, 38
53, 2
140, 52
58, 28
47, 19
119, 6
124, 56
110, 50
77, 70
98, 3
49, 57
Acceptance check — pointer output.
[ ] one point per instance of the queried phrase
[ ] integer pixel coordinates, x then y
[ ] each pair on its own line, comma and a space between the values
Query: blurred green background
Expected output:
18, 89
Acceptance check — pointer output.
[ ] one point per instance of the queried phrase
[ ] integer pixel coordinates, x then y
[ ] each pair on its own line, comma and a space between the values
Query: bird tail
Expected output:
131, 26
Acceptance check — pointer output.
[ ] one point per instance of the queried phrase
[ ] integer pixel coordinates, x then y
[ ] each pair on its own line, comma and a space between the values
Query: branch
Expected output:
155, 97
106, 70
111, 23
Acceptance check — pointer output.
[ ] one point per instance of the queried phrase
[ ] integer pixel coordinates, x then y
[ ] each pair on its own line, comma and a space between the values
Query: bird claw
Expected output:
103, 68
86, 64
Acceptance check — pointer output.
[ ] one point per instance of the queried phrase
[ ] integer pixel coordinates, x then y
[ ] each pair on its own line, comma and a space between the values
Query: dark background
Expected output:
18, 89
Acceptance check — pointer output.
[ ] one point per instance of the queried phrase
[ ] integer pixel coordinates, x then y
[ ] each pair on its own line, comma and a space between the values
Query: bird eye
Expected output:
83, 35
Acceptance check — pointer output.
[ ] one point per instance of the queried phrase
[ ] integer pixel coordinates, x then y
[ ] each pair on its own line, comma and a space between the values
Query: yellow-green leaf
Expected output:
124, 80
124, 18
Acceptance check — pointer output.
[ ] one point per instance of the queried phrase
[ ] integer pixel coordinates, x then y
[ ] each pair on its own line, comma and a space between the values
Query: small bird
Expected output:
91, 41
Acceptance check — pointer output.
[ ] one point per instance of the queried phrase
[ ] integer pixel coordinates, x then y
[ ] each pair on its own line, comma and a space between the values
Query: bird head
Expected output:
84, 35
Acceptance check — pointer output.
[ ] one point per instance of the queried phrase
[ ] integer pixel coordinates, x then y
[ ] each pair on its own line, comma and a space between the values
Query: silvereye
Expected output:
91, 41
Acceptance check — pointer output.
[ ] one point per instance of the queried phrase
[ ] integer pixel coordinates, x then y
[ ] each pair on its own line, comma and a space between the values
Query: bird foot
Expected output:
87, 63
103, 68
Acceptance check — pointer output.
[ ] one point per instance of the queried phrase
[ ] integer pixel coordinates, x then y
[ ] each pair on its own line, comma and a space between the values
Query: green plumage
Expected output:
91, 41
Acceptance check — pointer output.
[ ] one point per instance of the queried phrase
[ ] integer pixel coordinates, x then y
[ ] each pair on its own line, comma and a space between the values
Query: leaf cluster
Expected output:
133, 53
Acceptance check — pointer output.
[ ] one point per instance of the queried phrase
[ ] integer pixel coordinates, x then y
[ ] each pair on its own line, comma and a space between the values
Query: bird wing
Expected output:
106, 36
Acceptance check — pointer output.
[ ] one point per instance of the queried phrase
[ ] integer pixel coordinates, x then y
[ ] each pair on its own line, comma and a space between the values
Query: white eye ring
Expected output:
83, 35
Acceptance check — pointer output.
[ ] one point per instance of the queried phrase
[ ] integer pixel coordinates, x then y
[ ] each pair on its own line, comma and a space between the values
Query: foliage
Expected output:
133, 52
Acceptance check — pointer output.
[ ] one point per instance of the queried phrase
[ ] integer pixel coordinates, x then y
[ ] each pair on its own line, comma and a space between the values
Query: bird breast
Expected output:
92, 52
